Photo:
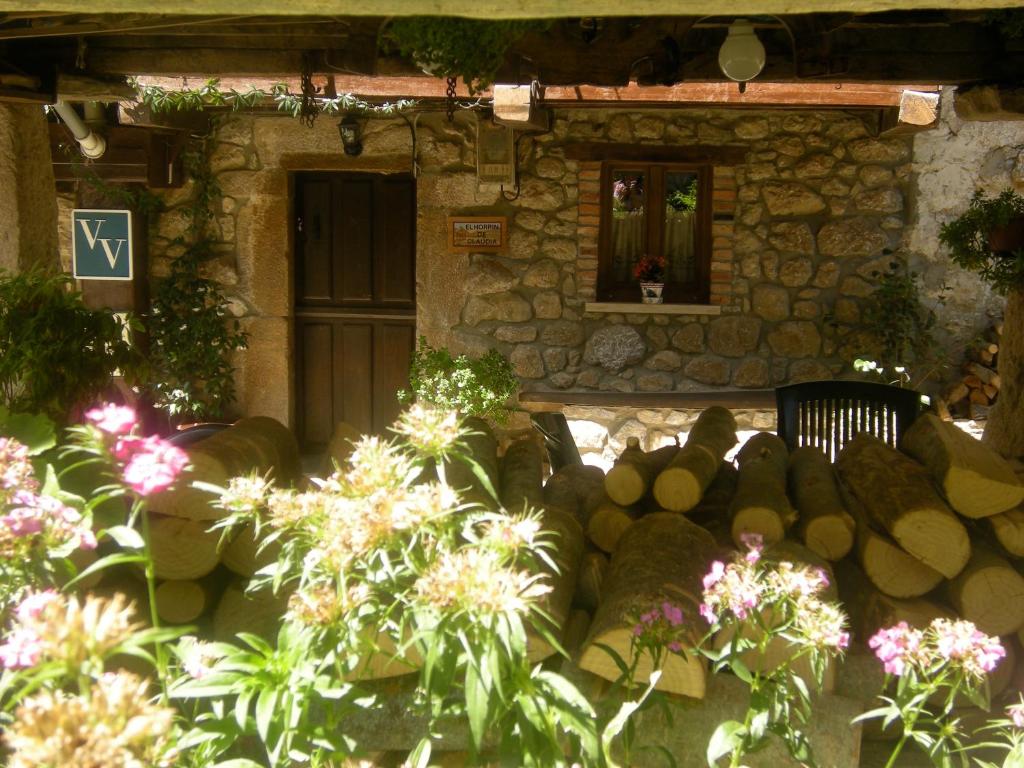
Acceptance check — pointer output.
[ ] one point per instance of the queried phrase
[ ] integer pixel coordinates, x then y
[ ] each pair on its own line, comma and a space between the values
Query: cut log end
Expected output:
939, 541
180, 602
678, 489
830, 536
682, 673
625, 484
762, 520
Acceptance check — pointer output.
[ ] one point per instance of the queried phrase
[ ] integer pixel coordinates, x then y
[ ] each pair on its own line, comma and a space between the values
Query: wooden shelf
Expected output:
738, 399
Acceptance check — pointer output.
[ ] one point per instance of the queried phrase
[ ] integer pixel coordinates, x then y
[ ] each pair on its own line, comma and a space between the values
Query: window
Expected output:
660, 209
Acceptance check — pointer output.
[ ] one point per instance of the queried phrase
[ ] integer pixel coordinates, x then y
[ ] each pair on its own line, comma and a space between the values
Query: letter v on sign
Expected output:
102, 245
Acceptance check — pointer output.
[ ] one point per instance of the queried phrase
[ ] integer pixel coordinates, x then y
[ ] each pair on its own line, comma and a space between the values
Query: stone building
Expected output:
805, 207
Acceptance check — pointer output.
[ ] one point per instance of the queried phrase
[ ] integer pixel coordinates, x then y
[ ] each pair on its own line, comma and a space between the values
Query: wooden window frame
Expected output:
697, 292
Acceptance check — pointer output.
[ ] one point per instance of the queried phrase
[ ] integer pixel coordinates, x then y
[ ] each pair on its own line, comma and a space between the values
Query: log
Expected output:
340, 448
662, 557
287, 464
975, 480
557, 604
243, 556
634, 472
989, 592
896, 492
890, 569
570, 488
522, 476
182, 549
760, 504
825, 525
870, 610
481, 445
680, 486
956, 392
607, 523
258, 612
978, 397
593, 569
1008, 528
713, 510
985, 374
186, 501
180, 601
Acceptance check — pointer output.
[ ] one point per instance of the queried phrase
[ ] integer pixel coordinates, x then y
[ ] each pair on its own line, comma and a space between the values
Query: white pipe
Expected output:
93, 145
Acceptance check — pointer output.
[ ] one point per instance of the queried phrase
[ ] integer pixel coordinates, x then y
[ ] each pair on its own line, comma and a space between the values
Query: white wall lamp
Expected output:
742, 55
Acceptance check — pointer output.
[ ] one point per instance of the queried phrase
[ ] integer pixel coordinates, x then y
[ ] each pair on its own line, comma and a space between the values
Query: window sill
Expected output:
631, 308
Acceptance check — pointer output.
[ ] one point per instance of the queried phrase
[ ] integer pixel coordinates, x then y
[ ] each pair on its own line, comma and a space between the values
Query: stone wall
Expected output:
800, 226
950, 163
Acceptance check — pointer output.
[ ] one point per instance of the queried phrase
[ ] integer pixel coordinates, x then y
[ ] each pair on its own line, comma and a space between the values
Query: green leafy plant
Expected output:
477, 387
56, 354
684, 199
446, 46
210, 94
968, 239
900, 323
191, 336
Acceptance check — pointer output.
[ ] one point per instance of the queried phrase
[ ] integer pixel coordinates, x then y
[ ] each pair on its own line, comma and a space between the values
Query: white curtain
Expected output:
628, 244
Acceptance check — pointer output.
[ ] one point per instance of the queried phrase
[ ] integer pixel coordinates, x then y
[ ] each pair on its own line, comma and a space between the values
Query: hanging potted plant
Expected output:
650, 271
988, 238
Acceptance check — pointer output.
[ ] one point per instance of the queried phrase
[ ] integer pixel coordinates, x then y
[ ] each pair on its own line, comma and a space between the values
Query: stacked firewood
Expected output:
976, 390
202, 579
931, 530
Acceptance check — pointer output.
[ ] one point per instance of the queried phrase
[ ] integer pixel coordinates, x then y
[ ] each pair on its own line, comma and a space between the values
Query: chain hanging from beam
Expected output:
308, 109
450, 100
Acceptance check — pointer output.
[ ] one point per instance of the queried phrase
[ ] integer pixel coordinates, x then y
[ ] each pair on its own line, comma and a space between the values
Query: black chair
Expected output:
558, 440
827, 414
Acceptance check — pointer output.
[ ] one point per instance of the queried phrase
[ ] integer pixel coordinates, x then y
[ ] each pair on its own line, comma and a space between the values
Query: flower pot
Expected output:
1009, 239
650, 293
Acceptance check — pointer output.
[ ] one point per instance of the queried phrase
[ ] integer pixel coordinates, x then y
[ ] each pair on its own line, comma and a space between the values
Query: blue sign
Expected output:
101, 244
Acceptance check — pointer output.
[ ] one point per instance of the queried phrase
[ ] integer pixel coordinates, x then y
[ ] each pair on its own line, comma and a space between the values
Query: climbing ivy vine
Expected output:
191, 336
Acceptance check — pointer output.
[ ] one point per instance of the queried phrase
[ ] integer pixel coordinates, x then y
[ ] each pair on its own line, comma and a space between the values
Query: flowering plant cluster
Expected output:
649, 269
61, 703
754, 605
932, 668
37, 528
385, 564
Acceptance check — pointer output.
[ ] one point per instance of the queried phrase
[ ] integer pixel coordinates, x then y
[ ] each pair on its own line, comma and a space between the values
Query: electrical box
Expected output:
495, 154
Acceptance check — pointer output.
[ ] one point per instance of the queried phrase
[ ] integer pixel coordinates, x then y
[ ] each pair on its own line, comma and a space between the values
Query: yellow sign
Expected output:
477, 234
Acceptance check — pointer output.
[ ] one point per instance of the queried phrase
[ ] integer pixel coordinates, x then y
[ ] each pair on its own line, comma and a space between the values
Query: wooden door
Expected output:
355, 296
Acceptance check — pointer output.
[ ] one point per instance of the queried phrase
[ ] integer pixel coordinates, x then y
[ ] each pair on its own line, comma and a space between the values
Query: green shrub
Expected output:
967, 238
56, 354
478, 387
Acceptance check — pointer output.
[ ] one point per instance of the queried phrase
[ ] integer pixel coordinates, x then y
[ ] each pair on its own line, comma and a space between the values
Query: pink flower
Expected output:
22, 649
151, 465
23, 521
113, 419
895, 646
673, 614
715, 574
675, 647
708, 613
752, 540
1016, 714
32, 605
962, 641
